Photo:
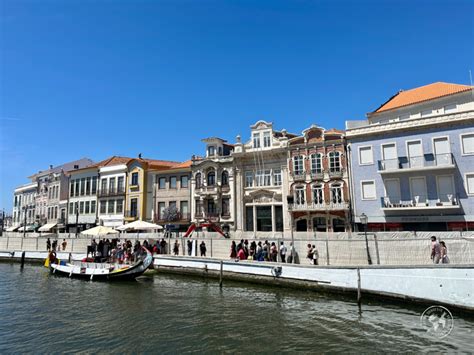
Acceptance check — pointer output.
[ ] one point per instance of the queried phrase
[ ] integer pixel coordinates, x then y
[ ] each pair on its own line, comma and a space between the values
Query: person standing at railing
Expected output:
435, 250
283, 252
48, 245
444, 253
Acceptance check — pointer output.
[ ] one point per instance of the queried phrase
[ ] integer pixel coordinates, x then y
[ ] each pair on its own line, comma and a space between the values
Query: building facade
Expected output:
412, 161
318, 181
24, 207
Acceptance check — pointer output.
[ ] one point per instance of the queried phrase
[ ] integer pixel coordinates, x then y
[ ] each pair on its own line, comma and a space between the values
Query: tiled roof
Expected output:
422, 93
183, 165
114, 160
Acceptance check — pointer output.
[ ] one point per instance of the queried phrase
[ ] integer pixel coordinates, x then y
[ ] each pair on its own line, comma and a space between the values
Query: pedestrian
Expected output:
309, 253
241, 254
273, 252
203, 248
292, 255
233, 250
163, 246
283, 252
176, 248
266, 251
64, 244
444, 253
55, 244
94, 247
315, 255
435, 250
259, 254
190, 247
48, 245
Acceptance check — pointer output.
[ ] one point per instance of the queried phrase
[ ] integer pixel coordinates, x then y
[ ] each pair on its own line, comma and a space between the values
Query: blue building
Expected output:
412, 161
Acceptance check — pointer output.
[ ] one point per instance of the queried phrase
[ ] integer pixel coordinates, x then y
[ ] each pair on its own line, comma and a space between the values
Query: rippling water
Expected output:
42, 313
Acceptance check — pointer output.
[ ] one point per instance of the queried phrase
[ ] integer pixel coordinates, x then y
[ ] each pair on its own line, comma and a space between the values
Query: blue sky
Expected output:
98, 78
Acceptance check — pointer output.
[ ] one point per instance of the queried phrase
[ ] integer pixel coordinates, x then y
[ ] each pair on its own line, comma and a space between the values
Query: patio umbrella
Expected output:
139, 225
99, 230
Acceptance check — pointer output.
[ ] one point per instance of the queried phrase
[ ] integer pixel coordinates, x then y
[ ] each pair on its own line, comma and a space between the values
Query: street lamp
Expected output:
365, 220
77, 218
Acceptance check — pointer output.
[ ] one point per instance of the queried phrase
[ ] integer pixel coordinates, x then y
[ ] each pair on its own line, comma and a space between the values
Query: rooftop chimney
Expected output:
50, 167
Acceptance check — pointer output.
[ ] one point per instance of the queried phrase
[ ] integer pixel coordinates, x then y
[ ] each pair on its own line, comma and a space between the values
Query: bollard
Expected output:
359, 296
377, 249
220, 274
23, 259
327, 250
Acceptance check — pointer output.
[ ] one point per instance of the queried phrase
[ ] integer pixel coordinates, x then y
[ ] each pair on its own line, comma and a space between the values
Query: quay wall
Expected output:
439, 284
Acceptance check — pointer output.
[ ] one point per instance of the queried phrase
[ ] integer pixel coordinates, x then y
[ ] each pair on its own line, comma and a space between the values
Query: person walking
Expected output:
48, 245
283, 252
309, 254
176, 248
203, 248
233, 250
315, 256
190, 247
64, 244
435, 250
444, 253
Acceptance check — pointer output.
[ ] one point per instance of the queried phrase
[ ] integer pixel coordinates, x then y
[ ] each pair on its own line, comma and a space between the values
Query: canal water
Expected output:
43, 313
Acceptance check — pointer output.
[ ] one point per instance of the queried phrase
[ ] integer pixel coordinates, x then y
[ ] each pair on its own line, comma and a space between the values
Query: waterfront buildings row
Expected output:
409, 166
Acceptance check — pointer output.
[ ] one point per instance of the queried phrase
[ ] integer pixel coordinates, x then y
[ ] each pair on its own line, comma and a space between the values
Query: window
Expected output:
112, 185
103, 185
211, 151
111, 206
161, 210
135, 179
249, 218
225, 207
83, 186
76, 192
470, 183
71, 190
87, 207
366, 156
225, 178
266, 139
94, 185
119, 206
88, 186
267, 178
184, 209
211, 207
71, 207
450, 108
316, 163
404, 117
259, 178
172, 205
277, 177
93, 206
299, 195
256, 139
336, 193
120, 184
81, 207
368, 190
298, 165
162, 183
335, 162
467, 143
211, 178
248, 179
184, 181
318, 194
173, 182
426, 113
133, 207
103, 207
198, 180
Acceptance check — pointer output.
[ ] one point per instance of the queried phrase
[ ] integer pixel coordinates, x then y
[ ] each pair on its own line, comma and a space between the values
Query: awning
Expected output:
29, 228
47, 227
12, 228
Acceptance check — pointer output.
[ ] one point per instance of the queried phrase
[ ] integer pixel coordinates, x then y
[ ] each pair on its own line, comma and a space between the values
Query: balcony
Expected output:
298, 175
324, 206
111, 192
317, 175
336, 173
133, 214
421, 202
421, 163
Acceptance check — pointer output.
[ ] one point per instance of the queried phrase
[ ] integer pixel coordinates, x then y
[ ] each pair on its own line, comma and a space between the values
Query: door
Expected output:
415, 154
445, 189
442, 151
389, 156
392, 191
418, 190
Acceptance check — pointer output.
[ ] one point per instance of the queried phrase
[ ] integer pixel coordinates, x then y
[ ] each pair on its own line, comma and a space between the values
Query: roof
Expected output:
421, 94
82, 163
183, 165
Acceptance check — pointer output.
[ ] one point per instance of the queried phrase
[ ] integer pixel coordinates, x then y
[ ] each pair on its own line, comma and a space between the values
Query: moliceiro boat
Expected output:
101, 271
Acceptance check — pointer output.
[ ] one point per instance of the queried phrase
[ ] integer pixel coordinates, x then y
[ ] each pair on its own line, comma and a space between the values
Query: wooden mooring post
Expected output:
359, 296
220, 274
23, 259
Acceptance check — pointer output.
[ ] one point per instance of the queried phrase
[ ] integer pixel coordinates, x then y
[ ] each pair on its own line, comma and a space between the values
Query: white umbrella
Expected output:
99, 230
139, 225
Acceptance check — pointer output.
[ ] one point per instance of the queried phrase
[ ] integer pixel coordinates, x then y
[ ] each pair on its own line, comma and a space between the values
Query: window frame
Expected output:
462, 145
362, 190
466, 184
360, 148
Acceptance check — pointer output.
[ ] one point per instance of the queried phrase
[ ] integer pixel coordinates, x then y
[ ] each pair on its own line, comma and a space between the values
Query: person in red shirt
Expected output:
241, 254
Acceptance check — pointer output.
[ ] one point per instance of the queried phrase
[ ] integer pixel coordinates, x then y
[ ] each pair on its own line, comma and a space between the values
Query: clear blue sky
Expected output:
99, 78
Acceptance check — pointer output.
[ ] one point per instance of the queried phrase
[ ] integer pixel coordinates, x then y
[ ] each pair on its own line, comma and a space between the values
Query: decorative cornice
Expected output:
410, 124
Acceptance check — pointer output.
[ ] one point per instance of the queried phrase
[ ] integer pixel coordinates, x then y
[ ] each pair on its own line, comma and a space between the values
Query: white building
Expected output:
24, 205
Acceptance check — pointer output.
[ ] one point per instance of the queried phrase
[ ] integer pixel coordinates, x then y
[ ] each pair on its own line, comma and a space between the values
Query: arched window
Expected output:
298, 165
316, 163
211, 178
335, 161
299, 195
198, 180
336, 193
318, 194
225, 178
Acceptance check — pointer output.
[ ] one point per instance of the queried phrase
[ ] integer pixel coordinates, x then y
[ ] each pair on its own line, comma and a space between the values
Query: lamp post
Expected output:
77, 218
365, 220
25, 208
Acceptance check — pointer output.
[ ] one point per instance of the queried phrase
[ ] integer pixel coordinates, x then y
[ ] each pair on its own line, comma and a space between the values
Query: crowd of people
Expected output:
53, 246
259, 251
439, 251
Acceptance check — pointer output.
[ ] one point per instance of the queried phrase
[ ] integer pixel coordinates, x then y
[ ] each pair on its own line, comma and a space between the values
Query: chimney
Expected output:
50, 167
76, 167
